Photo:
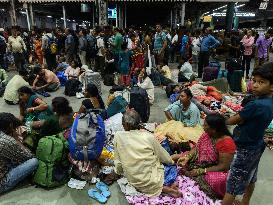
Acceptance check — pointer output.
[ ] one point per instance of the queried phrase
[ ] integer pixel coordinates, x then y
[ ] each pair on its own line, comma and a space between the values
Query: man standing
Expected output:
49, 48
160, 44
117, 45
69, 46
100, 57
263, 44
208, 43
3, 49
82, 46
17, 46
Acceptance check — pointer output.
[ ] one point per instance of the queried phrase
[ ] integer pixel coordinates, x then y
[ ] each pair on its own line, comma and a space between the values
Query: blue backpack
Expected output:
87, 137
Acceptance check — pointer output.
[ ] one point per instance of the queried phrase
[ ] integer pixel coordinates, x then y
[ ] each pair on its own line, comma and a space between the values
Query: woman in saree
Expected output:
38, 49
209, 161
32, 108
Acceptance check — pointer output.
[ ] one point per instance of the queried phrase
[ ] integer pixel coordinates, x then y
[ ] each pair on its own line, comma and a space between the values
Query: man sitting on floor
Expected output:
139, 157
47, 78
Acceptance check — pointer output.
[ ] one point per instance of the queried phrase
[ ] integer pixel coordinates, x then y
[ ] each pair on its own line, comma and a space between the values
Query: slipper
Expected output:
43, 93
94, 194
76, 184
103, 188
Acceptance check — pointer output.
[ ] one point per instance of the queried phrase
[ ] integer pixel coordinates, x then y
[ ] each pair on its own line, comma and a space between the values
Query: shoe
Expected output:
103, 188
43, 93
95, 194
79, 95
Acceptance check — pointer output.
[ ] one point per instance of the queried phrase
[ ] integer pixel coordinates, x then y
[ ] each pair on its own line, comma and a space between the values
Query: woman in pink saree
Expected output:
209, 161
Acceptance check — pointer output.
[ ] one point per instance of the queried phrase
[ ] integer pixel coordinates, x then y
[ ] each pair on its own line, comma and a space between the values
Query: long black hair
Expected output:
26, 90
218, 123
93, 91
7, 122
61, 106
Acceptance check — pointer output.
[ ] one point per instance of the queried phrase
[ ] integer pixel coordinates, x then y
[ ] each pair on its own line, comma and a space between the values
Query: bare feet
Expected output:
174, 192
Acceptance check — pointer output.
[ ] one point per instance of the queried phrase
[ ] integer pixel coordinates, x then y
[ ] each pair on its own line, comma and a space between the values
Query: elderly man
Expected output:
17, 46
139, 157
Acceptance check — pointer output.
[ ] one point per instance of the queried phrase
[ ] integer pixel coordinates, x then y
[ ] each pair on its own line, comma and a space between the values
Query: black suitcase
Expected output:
139, 100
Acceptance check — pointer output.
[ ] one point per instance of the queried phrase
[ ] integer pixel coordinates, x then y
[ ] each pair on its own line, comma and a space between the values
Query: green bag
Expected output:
51, 149
53, 168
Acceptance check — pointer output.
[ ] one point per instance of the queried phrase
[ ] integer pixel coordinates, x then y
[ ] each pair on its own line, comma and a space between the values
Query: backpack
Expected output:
92, 46
3, 45
72, 87
210, 73
87, 137
53, 167
52, 46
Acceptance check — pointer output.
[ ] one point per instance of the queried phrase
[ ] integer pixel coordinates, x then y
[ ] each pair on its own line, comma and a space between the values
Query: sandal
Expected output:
103, 188
94, 194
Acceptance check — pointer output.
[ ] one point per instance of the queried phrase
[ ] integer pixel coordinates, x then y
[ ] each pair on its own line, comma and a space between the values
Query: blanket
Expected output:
176, 132
191, 195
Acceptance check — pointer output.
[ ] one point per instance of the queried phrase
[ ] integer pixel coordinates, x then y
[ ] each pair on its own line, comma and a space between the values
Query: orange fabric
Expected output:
216, 95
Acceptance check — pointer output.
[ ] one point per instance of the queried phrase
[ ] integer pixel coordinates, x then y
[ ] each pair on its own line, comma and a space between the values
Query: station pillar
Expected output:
229, 16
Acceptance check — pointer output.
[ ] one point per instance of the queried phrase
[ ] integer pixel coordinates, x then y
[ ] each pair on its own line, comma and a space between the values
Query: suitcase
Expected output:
215, 64
235, 79
210, 73
108, 79
94, 78
139, 100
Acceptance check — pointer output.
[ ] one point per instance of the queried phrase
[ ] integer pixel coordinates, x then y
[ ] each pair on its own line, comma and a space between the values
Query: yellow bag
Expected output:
106, 158
176, 132
243, 85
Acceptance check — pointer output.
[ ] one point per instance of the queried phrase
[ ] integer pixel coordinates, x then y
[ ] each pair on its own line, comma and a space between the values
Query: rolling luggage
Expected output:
210, 73
139, 100
94, 78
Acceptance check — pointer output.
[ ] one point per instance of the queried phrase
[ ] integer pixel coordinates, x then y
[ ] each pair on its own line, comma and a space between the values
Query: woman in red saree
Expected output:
209, 161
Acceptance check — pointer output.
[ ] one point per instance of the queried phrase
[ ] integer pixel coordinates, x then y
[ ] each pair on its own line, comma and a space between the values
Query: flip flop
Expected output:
103, 188
43, 93
94, 194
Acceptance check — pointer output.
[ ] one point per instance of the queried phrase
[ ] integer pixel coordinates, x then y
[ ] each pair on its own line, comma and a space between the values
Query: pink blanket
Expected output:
191, 195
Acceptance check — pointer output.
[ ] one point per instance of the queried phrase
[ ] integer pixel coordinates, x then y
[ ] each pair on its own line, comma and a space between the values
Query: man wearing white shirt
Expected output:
100, 57
174, 43
185, 72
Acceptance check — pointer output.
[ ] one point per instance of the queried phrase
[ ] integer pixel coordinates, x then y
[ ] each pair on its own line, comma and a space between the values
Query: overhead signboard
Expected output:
263, 5
222, 1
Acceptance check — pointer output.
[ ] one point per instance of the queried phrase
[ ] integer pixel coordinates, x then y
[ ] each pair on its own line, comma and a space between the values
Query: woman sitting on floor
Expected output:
16, 161
32, 108
139, 157
184, 110
145, 82
94, 100
62, 118
73, 71
209, 161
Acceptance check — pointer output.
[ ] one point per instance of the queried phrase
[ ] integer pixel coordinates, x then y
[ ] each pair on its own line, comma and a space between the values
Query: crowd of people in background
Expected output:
45, 60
